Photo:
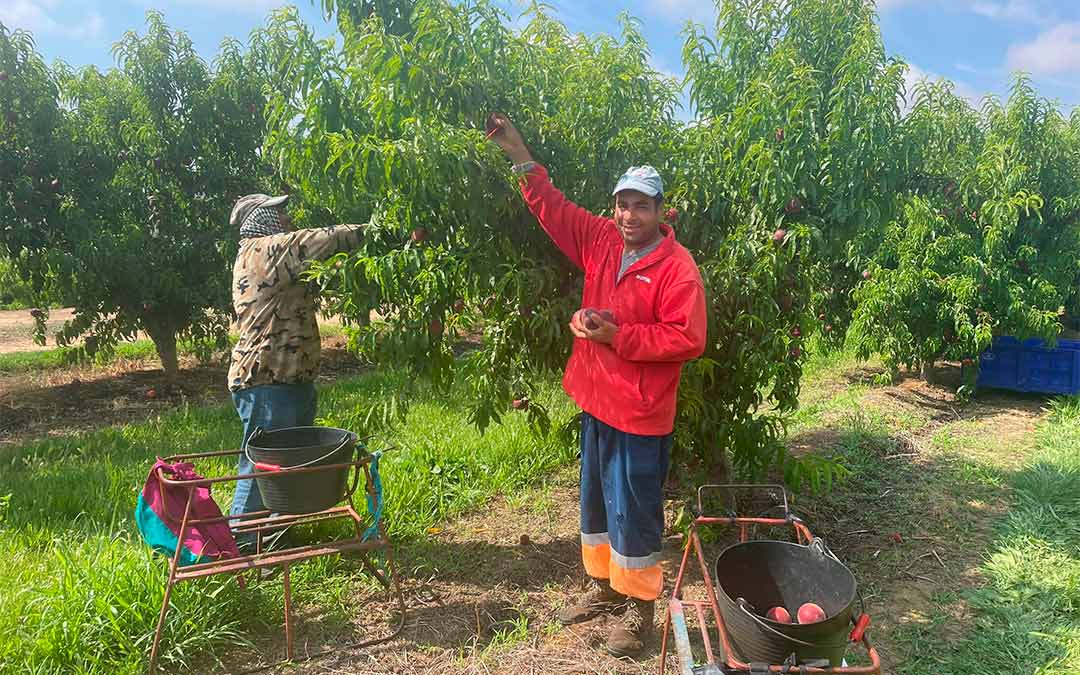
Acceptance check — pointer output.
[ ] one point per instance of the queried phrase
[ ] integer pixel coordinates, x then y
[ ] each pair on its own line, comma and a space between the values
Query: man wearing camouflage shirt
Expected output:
276, 359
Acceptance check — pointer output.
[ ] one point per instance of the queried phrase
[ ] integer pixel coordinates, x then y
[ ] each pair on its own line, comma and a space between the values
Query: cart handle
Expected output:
773, 488
861, 625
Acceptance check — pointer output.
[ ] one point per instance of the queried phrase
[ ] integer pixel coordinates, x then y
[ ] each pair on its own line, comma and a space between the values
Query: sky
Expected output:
978, 44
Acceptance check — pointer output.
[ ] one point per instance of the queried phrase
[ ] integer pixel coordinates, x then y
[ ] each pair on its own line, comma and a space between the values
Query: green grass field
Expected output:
64, 357
997, 502
993, 489
80, 592
1026, 614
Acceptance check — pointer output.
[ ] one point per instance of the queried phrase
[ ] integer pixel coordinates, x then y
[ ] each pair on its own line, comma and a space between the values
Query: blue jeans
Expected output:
270, 406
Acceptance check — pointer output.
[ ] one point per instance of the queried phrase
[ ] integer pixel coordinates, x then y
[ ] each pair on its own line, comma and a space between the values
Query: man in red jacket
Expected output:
643, 316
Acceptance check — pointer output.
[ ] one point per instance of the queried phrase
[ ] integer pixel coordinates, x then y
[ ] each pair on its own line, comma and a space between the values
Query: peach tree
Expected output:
388, 127
785, 177
988, 243
33, 152
788, 162
156, 151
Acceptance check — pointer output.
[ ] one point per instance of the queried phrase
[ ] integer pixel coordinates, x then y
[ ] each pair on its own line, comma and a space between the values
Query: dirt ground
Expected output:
483, 590
17, 326
514, 564
82, 398
70, 400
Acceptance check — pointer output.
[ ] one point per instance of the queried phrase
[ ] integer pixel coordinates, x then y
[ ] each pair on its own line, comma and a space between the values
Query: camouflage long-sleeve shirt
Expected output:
275, 310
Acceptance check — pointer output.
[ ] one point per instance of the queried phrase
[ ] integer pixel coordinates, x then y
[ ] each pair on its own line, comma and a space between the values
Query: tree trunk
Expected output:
165, 343
929, 372
720, 471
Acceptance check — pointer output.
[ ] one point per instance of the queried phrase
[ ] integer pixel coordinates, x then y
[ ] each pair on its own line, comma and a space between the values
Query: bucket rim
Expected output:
259, 431
349, 439
824, 552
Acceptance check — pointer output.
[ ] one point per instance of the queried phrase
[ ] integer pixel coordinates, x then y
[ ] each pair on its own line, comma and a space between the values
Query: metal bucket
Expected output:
755, 576
299, 447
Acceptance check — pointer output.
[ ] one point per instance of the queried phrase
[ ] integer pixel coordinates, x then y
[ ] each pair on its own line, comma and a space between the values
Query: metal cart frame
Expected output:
676, 612
261, 523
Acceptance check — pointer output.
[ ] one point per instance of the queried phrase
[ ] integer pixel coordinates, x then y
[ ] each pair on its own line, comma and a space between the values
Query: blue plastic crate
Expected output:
1031, 366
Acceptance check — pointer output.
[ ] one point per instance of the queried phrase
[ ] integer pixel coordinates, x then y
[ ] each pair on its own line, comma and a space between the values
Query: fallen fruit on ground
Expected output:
811, 613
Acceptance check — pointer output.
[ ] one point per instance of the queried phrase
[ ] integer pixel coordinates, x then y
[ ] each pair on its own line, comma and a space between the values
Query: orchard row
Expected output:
813, 203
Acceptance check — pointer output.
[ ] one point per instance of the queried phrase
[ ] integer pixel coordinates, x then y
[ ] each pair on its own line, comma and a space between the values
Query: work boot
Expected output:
627, 637
599, 598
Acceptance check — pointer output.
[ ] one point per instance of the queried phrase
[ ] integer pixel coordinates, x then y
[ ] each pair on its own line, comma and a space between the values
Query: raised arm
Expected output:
319, 243
573, 229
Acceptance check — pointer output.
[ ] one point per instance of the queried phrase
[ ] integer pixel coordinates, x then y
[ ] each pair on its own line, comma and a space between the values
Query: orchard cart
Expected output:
366, 535
754, 574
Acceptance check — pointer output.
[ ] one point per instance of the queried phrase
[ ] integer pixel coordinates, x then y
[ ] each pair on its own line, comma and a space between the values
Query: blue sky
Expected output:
977, 44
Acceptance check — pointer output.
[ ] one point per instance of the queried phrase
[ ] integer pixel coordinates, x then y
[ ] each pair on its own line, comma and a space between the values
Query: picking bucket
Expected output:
301, 447
755, 576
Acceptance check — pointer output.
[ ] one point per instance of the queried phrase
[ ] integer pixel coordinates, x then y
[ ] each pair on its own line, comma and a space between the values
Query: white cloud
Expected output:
1024, 11
1053, 52
915, 74
36, 16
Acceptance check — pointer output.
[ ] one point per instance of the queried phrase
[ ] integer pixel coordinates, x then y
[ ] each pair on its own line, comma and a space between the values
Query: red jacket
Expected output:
659, 305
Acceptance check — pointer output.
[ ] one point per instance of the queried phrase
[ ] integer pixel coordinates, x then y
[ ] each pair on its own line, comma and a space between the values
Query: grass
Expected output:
135, 350
1027, 614
79, 592
998, 502
66, 357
